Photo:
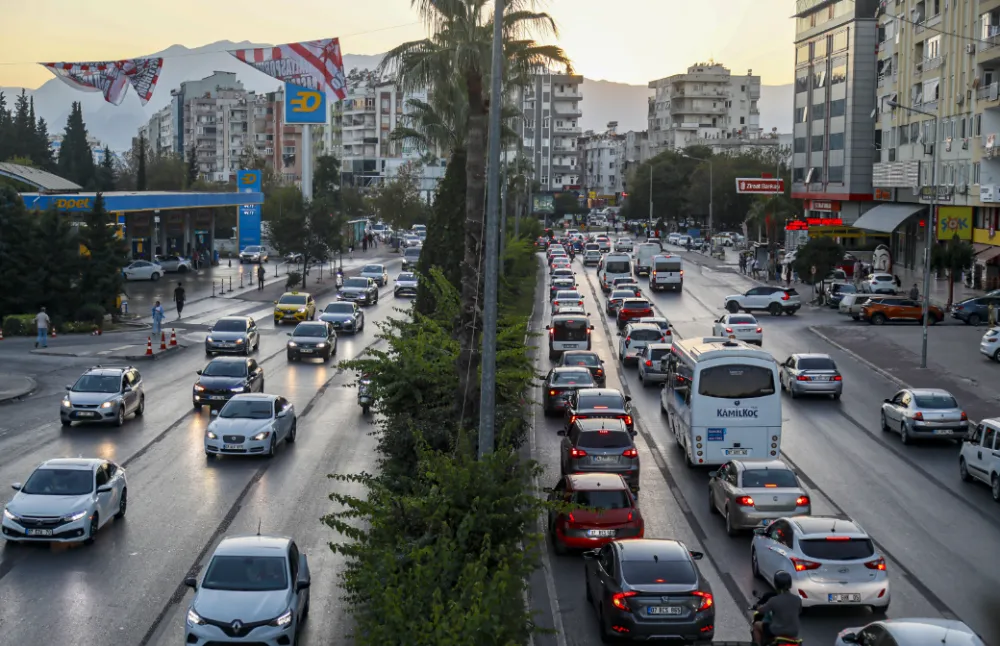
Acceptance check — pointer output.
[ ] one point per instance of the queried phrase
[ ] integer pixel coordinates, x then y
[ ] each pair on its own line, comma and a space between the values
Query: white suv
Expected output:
980, 456
774, 300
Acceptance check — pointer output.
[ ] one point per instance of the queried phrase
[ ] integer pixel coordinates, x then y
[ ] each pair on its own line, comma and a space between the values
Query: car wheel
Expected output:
197, 406
885, 423
880, 610
293, 432
973, 319
963, 470
904, 435
730, 530
606, 636
877, 319
66, 422
557, 545
774, 309
791, 391
122, 504
120, 420
733, 307
272, 447
142, 407
754, 565
154, 277
247, 350
995, 487
92, 531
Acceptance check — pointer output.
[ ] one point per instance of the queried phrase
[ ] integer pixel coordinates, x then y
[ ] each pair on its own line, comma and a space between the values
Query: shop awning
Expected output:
988, 255
979, 247
886, 218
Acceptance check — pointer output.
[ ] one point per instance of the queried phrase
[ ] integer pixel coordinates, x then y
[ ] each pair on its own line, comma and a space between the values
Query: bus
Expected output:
721, 400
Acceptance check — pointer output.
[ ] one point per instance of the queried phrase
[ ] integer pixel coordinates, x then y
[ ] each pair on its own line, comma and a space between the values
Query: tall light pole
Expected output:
711, 187
931, 222
650, 197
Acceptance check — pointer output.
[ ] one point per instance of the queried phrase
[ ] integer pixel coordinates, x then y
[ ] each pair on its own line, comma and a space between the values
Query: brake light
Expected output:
965, 416
707, 600
877, 564
628, 339
759, 330
682, 272
589, 330
838, 538
744, 501
838, 378
552, 332
630, 453
667, 333
579, 302
552, 392
918, 416
729, 330
785, 296
629, 519
556, 303
628, 420
802, 501
803, 378
801, 565
618, 600
598, 372
573, 418
577, 453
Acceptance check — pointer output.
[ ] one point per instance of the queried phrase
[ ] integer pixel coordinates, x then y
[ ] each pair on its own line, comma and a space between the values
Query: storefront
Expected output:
139, 233
905, 224
986, 244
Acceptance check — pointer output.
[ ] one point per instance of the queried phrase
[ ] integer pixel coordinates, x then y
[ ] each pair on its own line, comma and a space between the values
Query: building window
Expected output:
932, 48
802, 55
961, 127
840, 41
837, 107
835, 174
801, 81
975, 173
798, 174
801, 114
819, 48
819, 112
904, 135
837, 140
743, 121
979, 131
819, 75
800, 144
817, 143
838, 70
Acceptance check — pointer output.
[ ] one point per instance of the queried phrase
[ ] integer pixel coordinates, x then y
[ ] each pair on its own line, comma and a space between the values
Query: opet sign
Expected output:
954, 221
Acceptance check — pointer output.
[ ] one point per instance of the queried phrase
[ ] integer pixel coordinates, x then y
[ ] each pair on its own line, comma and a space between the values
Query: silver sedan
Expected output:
925, 413
752, 493
811, 374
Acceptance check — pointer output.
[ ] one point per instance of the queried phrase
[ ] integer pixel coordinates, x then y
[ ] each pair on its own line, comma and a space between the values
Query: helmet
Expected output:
782, 581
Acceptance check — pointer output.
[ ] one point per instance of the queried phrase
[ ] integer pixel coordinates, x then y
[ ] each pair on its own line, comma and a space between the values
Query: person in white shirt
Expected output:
42, 322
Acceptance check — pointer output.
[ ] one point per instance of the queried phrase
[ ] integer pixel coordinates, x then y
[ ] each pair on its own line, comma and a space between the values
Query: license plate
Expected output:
943, 431
569, 346
86, 414
604, 459
289, 316
600, 533
226, 345
736, 451
217, 397
664, 610
232, 447
844, 598
39, 532
305, 351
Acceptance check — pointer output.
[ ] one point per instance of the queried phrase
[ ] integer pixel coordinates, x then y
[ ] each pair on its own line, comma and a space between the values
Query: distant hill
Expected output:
603, 101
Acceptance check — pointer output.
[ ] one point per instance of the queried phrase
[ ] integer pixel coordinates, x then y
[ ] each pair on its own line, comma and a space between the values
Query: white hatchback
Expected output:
990, 343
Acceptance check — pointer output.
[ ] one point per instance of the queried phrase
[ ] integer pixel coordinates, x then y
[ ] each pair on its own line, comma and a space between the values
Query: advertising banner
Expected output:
249, 181
543, 204
954, 220
304, 106
314, 64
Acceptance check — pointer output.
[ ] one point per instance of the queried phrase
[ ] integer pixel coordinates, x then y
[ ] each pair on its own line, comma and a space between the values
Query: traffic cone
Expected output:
53, 333
173, 338
163, 340
1, 334
149, 346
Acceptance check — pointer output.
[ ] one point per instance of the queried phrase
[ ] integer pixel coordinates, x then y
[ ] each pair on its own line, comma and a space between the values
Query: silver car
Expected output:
405, 284
912, 632
810, 374
344, 316
255, 589
253, 253
104, 395
376, 273
251, 425
634, 338
752, 493
925, 413
651, 366
238, 334
360, 290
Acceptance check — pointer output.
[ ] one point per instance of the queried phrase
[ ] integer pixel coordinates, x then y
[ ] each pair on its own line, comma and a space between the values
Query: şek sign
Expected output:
954, 220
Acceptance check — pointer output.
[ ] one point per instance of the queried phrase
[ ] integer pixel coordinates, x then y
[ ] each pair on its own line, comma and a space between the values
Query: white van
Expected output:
667, 273
568, 332
614, 265
644, 254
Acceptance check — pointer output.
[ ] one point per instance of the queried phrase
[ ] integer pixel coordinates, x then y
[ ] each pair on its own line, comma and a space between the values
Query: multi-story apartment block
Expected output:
551, 127
601, 163
96, 147
159, 132
705, 103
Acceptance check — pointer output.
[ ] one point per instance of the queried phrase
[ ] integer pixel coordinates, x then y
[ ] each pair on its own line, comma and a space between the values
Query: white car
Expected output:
879, 284
744, 327
376, 273
673, 238
990, 344
174, 264
623, 244
566, 298
143, 270
251, 424
66, 500
979, 458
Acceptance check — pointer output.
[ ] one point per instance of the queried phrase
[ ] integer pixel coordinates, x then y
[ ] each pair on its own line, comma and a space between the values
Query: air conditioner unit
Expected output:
960, 99
970, 48
920, 67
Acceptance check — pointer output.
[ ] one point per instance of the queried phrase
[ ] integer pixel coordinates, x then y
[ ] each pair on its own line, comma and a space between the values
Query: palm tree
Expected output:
459, 51
955, 257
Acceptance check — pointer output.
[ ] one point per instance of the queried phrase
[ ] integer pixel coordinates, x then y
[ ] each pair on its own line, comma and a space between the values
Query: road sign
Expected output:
944, 193
760, 186
249, 181
304, 105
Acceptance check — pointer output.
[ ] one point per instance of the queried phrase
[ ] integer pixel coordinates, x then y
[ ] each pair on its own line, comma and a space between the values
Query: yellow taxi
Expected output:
294, 307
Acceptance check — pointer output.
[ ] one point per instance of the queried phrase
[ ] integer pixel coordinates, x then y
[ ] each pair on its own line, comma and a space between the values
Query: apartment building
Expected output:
159, 132
706, 103
96, 147
551, 128
600, 160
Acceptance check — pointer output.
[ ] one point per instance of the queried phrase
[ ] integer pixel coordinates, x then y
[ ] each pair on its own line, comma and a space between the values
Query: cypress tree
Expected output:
23, 126
106, 172
445, 242
76, 159
42, 155
140, 173
6, 130
101, 275
192, 168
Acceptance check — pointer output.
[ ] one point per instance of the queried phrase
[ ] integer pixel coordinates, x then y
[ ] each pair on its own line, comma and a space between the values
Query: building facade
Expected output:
96, 147
600, 158
550, 129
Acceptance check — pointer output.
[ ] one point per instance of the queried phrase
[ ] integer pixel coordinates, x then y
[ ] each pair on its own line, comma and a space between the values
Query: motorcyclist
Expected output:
779, 612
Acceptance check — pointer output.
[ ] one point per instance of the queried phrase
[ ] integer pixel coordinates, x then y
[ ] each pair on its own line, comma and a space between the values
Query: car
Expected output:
560, 262
564, 297
990, 343
66, 500
564, 272
568, 332
559, 284
878, 311
633, 338
650, 362
224, 378
604, 509
588, 359
600, 403
600, 446
832, 561
752, 493
312, 339
918, 413
251, 424
836, 293
632, 285
775, 300
294, 307
143, 270
405, 284
411, 241
344, 316
810, 374
879, 283
604, 243
591, 257
559, 383
360, 290
660, 322
631, 309
294, 257
973, 311
255, 589
911, 632
672, 238
376, 273
623, 244
104, 395
979, 458
254, 254
541, 243
742, 327
411, 256
615, 300
174, 263
237, 334
649, 588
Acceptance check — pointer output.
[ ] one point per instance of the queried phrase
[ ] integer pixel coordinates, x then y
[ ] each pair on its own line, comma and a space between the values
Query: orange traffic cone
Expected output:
1, 334
149, 346
53, 333
163, 340
173, 338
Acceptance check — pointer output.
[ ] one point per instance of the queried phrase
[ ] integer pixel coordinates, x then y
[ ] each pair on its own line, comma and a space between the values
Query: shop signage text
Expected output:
823, 205
803, 225
760, 186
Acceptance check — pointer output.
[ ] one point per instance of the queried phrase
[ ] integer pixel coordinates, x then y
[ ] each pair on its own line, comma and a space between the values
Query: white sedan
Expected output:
143, 270
742, 327
66, 500
174, 264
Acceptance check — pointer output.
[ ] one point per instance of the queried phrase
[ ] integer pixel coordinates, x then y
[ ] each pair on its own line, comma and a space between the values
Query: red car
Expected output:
633, 308
609, 512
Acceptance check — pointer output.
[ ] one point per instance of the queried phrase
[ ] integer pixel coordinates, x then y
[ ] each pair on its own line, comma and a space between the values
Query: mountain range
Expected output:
603, 101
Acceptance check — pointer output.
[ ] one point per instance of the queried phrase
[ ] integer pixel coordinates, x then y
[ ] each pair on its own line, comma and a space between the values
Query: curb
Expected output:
32, 385
161, 353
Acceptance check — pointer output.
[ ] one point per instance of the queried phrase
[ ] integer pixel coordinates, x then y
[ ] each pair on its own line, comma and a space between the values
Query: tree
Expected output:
76, 159
326, 177
166, 171
42, 151
445, 235
822, 253
955, 257
140, 172
312, 229
106, 172
192, 169
101, 275
396, 201
15, 255
56, 283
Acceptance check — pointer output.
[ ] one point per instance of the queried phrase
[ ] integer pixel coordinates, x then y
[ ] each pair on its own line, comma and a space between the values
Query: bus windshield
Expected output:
735, 381
616, 267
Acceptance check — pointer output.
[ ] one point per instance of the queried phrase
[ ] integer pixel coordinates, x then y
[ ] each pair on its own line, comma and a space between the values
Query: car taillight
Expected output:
965, 416
729, 330
877, 564
552, 392
630, 453
803, 378
759, 330
707, 600
918, 416
577, 453
552, 332
598, 372
667, 333
801, 565
802, 501
629, 519
579, 303
838, 378
682, 272
573, 418
628, 340
555, 303
618, 600
648, 363
628, 420
744, 501
785, 296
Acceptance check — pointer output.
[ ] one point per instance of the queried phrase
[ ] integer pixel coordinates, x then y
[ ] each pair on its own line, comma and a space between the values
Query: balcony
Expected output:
706, 93
567, 96
567, 130
683, 108
933, 63
988, 48
570, 113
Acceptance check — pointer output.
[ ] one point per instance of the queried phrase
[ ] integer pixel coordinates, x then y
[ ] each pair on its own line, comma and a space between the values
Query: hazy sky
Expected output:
632, 41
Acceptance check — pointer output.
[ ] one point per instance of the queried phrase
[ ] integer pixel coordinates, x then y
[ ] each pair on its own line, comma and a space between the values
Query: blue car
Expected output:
973, 311
837, 291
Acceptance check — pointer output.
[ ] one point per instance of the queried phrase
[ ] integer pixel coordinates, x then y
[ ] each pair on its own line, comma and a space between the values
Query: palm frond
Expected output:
521, 23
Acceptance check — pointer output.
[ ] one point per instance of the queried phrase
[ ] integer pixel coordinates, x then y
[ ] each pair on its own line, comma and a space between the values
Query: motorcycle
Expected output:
340, 279
364, 396
756, 615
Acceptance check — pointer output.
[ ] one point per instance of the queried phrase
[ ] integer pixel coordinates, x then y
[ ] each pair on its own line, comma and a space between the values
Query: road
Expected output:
128, 584
936, 532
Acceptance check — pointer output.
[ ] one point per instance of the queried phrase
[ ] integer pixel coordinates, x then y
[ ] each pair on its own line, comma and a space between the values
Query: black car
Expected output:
836, 293
411, 256
649, 588
600, 446
312, 340
585, 358
560, 383
588, 403
560, 284
359, 290
224, 377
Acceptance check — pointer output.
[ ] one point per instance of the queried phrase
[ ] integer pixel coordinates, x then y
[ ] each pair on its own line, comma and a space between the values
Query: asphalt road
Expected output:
937, 533
127, 586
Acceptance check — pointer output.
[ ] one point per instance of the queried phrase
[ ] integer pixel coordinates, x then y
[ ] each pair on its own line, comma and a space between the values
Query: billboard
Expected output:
760, 185
248, 221
954, 220
543, 204
304, 106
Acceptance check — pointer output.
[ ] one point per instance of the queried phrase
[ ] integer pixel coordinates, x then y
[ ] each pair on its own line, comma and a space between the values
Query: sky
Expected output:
640, 40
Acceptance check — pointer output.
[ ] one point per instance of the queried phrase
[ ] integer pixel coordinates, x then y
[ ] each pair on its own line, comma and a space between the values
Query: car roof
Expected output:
373, 264
557, 318
776, 465
561, 369
601, 424
253, 546
811, 355
821, 526
599, 392
235, 318
648, 549
294, 294
643, 326
228, 360
659, 346
927, 631
310, 324
107, 371
74, 464
592, 481
653, 320
930, 391
255, 397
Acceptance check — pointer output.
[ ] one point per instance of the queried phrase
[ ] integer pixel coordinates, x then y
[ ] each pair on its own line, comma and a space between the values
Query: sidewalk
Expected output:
15, 386
939, 288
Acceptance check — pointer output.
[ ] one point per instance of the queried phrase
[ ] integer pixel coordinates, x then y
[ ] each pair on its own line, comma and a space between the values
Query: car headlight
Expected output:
351, 321
208, 340
283, 620
240, 340
199, 388
238, 389
8, 515
211, 435
292, 344
194, 618
67, 403
320, 345
69, 518
109, 404
300, 310
263, 435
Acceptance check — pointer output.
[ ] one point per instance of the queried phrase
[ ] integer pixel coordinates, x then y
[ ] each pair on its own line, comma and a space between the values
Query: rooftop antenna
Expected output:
258, 527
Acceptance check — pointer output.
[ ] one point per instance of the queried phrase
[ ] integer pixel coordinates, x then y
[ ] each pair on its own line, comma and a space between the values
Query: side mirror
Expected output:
755, 594
302, 584
214, 412
591, 554
210, 329
127, 389
760, 531
850, 638
69, 387
697, 556
548, 327
561, 432
288, 334
197, 372
713, 474
887, 401
628, 398
275, 302
591, 327
191, 582
16, 486
619, 333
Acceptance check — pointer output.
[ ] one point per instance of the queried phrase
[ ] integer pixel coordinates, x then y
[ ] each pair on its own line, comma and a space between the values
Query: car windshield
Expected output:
604, 439
247, 409
817, 363
339, 308
735, 381
616, 267
742, 320
635, 305
292, 299
769, 478
251, 249
583, 359
935, 401
622, 293
645, 334
602, 499
613, 402
356, 282
372, 269
225, 369
406, 277
831, 549
98, 384
658, 353
411, 253
246, 574
309, 330
568, 294
658, 572
59, 482
230, 325
572, 377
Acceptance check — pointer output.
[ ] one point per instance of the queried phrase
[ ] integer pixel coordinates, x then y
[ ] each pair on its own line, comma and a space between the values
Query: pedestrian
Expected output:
42, 323
897, 282
179, 299
364, 243
788, 275
914, 292
992, 314
158, 315
261, 274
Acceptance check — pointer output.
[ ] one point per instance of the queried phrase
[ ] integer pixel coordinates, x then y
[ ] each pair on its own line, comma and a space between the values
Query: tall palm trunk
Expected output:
471, 320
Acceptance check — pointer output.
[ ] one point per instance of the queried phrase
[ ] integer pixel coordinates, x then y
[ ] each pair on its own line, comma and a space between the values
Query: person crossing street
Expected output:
179, 299
261, 275
42, 323
158, 315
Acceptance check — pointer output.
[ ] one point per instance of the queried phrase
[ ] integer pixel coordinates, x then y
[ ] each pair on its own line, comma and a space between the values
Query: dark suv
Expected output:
600, 446
602, 403
104, 395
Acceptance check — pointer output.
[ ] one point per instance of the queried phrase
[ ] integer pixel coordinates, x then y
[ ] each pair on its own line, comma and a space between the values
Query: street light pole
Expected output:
711, 186
650, 196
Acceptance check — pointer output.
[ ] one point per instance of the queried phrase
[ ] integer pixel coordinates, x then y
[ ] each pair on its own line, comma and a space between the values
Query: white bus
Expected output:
722, 401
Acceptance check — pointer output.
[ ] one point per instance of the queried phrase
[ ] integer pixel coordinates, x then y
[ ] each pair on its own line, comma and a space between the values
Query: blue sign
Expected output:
131, 202
716, 434
249, 181
304, 106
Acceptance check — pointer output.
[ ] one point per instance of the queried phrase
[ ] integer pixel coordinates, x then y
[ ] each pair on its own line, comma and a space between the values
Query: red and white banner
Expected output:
111, 78
315, 64
760, 185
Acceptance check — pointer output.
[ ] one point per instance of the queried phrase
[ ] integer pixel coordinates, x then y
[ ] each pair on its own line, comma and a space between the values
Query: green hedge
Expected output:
24, 325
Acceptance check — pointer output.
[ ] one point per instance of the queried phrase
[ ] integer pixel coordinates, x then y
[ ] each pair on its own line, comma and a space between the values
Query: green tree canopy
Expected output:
101, 277
954, 257
822, 253
397, 202
76, 158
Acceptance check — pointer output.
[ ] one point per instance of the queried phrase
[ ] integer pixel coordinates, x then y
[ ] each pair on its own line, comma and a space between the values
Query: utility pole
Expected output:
650, 196
487, 395
503, 211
